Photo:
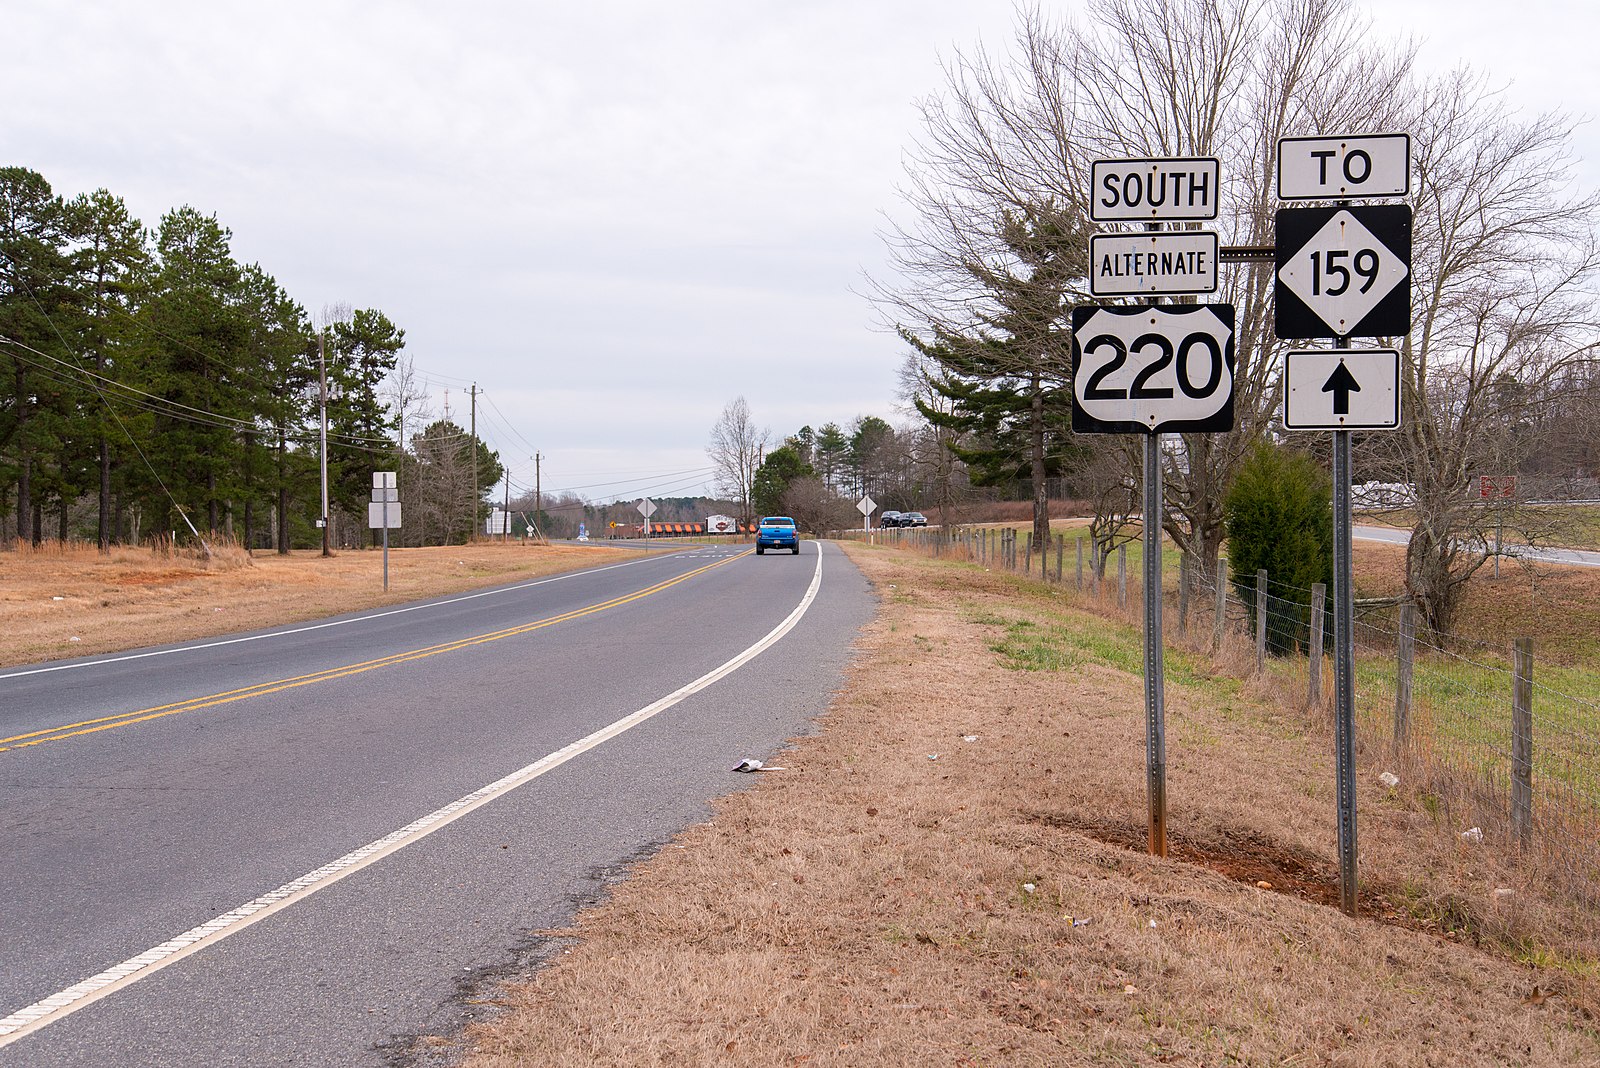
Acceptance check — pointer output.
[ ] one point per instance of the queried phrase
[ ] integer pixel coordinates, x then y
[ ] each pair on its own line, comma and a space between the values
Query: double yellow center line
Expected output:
194, 704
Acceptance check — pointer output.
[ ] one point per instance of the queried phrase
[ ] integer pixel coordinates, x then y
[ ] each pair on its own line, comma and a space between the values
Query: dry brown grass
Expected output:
875, 906
71, 601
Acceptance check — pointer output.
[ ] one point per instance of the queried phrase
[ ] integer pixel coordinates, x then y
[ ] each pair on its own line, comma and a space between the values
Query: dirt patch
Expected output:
952, 872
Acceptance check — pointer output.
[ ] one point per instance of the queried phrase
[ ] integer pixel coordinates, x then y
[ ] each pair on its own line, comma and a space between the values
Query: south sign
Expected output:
1154, 190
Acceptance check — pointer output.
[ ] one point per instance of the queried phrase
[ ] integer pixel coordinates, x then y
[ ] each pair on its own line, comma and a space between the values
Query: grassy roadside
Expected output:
71, 602
951, 871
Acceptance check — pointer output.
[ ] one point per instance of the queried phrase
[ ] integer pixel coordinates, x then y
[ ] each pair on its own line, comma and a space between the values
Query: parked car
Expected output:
889, 518
777, 532
913, 519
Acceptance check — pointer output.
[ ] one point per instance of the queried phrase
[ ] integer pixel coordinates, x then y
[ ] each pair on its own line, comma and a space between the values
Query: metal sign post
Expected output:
1343, 272
1344, 719
1155, 704
384, 512
865, 506
647, 508
1154, 368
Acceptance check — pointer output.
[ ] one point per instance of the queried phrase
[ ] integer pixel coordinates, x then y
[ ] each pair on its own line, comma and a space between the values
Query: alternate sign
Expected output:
1151, 265
1153, 369
1343, 272
1344, 168
1154, 190
1341, 389
646, 507
866, 505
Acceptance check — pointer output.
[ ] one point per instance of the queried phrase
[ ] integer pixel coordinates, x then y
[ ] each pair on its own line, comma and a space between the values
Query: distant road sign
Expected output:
866, 504
1491, 486
378, 511
1341, 389
1140, 370
647, 507
1152, 264
1343, 272
1344, 168
1154, 190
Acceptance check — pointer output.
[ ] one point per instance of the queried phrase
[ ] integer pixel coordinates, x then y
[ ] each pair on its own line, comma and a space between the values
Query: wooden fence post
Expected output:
1027, 563
1183, 592
1522, 743
1221, 618
1261, 620
1080, 561
1319, 595
1122, 576
1405, 654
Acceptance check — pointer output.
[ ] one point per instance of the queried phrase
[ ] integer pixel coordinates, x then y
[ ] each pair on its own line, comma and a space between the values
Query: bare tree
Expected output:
736, 450
1504, 265
407, 395
1223, 78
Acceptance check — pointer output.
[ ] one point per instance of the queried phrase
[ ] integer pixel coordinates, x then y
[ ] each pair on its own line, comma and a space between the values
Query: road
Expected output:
1570, 557
315, 844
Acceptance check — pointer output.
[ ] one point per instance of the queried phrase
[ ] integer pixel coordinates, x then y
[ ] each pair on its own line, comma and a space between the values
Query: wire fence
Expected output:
1500, 750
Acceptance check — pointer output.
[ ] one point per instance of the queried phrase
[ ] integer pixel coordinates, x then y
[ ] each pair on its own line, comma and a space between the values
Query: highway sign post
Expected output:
1343, 272
865, 506
1148, 370
647, 508
383, 513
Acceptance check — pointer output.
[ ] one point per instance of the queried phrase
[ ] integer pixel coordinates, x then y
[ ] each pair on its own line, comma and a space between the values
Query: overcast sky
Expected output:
615, 217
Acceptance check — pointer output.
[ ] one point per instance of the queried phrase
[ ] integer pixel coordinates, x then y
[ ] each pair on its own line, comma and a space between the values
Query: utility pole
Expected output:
538, 495
322, 404
473, 444
505, 517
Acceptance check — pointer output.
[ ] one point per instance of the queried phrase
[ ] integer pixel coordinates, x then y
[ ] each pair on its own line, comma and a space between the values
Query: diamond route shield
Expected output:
1346, 272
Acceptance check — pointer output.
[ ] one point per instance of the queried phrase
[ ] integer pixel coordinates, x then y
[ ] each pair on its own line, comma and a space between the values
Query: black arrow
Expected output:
1341, 384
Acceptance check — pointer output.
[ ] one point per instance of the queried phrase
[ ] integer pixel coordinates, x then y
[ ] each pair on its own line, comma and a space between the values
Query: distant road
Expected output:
312, 845
1573, 557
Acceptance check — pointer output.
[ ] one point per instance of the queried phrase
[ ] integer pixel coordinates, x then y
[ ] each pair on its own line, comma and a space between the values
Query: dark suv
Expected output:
777, 532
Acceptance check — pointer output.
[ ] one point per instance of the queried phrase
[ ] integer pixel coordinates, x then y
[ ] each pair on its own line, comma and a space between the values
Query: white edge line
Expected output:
48, 1010
101, 661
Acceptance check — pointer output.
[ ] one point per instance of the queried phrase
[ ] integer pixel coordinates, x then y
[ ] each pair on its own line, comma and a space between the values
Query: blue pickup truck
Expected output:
777, 532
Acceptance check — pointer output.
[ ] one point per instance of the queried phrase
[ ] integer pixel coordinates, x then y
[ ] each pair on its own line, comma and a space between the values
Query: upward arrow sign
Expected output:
1341, 384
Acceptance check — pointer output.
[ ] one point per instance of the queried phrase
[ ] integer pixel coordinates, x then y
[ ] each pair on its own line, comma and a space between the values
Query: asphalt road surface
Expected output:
314, 845
1570, 557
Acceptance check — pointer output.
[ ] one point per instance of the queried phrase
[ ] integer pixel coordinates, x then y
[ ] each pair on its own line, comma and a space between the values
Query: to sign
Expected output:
1149, 265
1341, 389
1148, 370
1343, 272
1153, 190
1344, 168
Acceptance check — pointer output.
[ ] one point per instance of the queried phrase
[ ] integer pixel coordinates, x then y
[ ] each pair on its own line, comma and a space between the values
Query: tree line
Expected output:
1499, 375
157, 387
817, 475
